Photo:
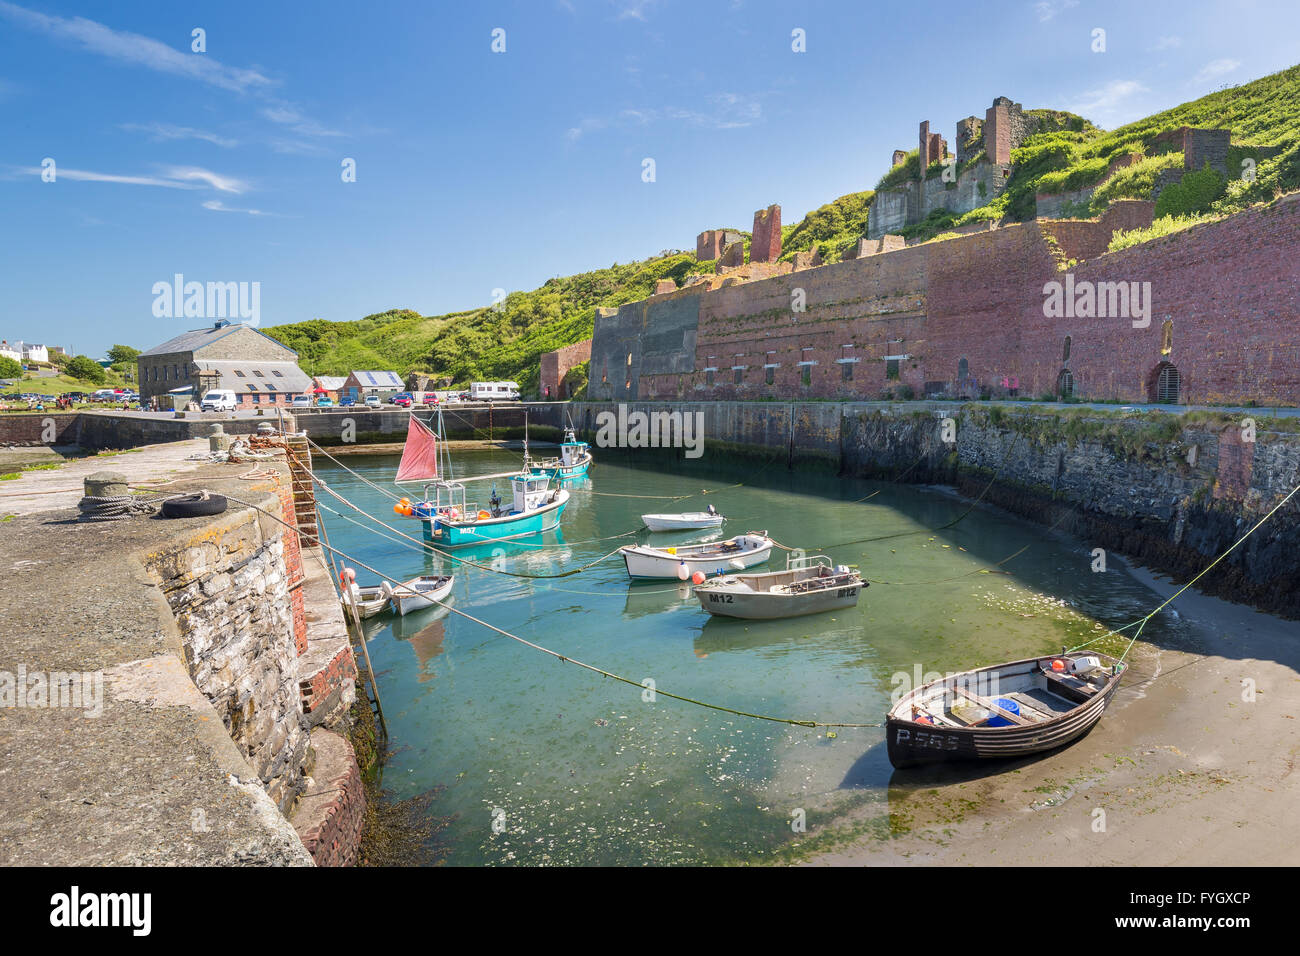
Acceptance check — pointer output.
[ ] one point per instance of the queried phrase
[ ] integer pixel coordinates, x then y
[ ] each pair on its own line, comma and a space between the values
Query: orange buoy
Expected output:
698, 577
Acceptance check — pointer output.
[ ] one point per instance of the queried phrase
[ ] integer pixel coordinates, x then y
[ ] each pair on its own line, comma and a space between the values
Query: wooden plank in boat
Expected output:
990, 706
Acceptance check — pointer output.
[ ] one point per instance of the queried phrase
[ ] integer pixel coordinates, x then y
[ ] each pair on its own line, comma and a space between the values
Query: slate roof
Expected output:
379, 379
196, 339
241, 375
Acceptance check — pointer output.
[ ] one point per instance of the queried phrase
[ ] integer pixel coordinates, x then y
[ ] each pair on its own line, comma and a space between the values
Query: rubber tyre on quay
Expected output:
193, 506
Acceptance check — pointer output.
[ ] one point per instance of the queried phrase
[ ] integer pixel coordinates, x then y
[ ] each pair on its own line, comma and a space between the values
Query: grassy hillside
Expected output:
503, 343
1067, 153
1264, 112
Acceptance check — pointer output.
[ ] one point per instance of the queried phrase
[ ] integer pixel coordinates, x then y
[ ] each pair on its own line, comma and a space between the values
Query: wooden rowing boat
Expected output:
682, 561
808, 585
1007, 710
418, 593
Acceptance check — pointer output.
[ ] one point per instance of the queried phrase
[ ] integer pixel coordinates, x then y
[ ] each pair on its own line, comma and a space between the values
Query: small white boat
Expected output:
368, 601
808, 585
688, 521
418, 592
714, 557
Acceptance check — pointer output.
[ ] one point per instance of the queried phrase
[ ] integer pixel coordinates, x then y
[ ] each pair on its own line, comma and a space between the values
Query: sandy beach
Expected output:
1183, 770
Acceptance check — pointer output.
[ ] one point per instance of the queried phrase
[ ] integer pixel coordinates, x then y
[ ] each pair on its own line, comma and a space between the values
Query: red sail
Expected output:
420, 456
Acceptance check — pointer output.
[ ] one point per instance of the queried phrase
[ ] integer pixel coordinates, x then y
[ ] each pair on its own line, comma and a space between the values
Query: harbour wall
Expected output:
1171, 491
229, 684
97, 430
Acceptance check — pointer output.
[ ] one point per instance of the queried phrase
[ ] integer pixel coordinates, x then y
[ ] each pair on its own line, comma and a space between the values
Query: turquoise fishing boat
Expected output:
572, 462
451, 519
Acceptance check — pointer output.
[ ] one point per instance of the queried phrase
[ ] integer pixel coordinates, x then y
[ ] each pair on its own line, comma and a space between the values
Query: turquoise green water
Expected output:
543, 763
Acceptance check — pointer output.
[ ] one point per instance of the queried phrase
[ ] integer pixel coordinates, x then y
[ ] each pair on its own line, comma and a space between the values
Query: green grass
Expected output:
832, 228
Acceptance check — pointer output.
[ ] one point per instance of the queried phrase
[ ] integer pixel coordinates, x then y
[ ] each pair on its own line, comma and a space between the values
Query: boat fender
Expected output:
194, 506
682, 573
670, 550
484, 514
738, 564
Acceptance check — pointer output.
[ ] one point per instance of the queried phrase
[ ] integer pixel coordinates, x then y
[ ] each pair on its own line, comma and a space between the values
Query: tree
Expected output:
87, 369
9, 368
123, 355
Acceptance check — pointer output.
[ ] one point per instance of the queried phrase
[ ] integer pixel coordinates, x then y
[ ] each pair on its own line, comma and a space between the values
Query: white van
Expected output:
493, 391
219, 400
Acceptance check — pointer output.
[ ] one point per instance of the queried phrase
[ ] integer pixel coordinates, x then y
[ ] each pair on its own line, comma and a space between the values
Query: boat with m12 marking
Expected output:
808, 585
1007, 710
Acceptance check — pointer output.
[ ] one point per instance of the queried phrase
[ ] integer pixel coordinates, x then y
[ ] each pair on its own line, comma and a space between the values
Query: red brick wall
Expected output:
765, 245
1089, 238
997, 135
29, 428
556, 365
1231, 290
293, 567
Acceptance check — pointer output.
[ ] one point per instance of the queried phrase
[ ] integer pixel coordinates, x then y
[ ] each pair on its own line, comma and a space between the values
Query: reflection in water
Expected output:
593, 771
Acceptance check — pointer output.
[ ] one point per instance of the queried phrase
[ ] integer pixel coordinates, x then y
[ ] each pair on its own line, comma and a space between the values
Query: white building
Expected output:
14, 351
36, 353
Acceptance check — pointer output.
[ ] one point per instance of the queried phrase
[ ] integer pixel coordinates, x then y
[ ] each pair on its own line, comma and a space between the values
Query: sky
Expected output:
478, 169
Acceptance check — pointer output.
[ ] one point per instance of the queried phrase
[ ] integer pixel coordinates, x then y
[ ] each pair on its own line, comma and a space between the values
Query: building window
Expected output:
963, 369
1167, 337
1065, 384
891, 368
240, 374
737, 376
258, 373
708, 378
771, 375
806, 376
1065, 353
252, 387
846, 371
257, 399
277, 373
629, 359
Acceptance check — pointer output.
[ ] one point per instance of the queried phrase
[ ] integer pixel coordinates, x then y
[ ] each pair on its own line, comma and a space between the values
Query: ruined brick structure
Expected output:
709, 244
765, 246
556, 366
967, 316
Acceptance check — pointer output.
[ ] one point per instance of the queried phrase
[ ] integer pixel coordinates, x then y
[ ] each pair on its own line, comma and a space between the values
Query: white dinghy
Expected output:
418, 593
369, 600
687, 521
808, 585
683, 561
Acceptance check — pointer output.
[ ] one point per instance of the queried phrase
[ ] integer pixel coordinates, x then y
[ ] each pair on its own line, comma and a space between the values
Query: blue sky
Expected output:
479, 170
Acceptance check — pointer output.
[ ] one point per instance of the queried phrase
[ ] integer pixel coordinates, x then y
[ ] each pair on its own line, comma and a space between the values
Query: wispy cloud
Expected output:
190, 174
724, 111
1167, 43
1215, 69
176, 177
1047, 10
163, 131
288, 116
216, 205
134, 48
632, 9
1108, 102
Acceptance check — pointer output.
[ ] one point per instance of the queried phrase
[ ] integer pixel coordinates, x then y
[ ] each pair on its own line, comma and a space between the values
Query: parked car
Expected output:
219, 400
301, 401
347, 401
324, 402
402, 399
372, 401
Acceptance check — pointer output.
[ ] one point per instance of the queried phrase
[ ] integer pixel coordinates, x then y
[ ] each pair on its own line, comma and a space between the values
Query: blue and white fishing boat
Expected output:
572, 462
450, 518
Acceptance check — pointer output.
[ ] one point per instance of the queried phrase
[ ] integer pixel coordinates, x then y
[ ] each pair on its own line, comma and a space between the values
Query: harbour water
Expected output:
537, 761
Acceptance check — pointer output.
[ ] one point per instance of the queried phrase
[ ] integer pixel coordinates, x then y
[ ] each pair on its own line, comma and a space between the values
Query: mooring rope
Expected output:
564, 658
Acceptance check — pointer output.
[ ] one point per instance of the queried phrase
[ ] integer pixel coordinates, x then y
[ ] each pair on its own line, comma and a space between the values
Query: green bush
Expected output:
1194, 194
87, 369
9, 368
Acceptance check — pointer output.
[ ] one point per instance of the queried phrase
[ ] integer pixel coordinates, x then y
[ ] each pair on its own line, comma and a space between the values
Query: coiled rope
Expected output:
115, 507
